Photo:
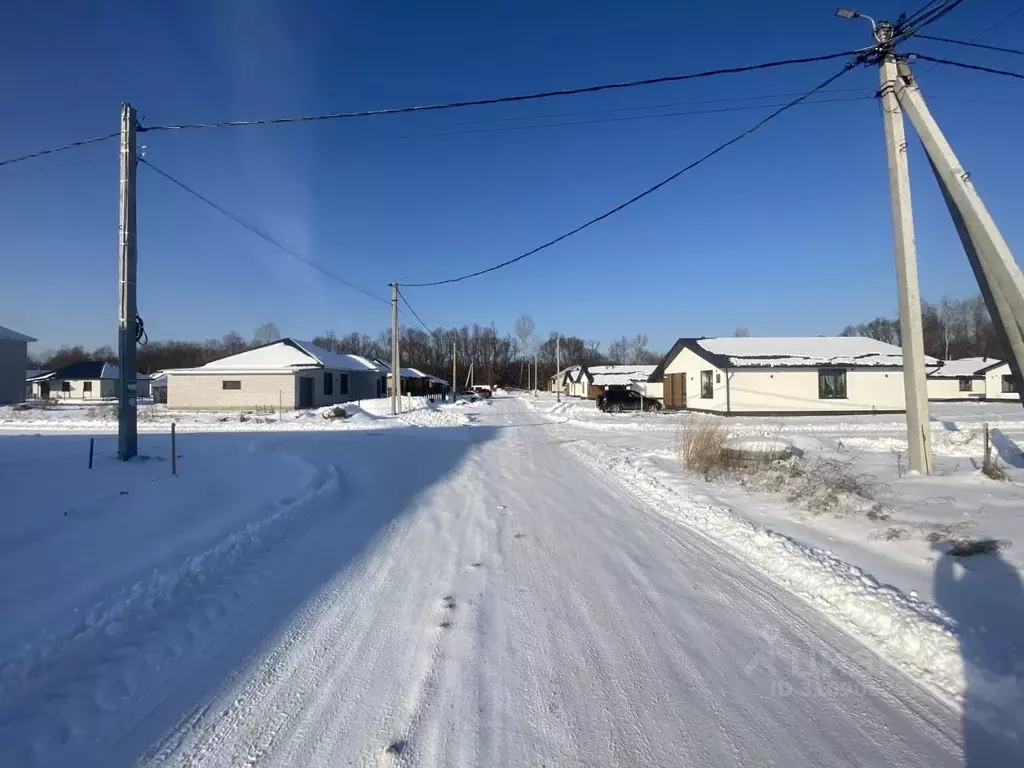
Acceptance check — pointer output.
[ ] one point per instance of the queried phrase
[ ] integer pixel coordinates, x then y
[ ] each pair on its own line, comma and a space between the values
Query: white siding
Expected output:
654, 389
949, 389
994, 384
691, 364
764, 389
197, 391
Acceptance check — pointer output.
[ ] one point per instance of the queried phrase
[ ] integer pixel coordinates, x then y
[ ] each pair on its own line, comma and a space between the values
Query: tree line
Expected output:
952, 329
496, 358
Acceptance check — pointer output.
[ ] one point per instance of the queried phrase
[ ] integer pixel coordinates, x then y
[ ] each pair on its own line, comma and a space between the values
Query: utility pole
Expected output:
536, 384
127, 308
911, 333
558, 366
396, 371
455, 367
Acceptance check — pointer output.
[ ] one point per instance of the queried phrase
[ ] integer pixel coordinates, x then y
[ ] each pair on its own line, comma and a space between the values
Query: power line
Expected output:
964, 65
418, 318
505, 99
985, 31
656, 187
54, 150
924, 17
260, 233
969, 44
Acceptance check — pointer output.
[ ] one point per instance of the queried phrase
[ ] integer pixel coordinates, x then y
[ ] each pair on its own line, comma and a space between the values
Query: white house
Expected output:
962, 379
563, 380
13, 363
999, 383
158, 387
85, 380
600, 378
288, 373
767, 376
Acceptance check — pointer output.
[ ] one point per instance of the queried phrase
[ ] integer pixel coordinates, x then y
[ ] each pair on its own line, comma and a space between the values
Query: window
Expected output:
87, 386
832, 384
966, 385
231, 385
65, 386
718, 378
1009, 385
342, 383
707, 384
328, 383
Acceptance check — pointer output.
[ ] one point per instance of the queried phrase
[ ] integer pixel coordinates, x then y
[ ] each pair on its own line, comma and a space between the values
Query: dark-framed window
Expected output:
231, 384
966, 384
707, 384
87, 386
328, 383
831, 384
65, 386
718, 378
342, 383
1009, 385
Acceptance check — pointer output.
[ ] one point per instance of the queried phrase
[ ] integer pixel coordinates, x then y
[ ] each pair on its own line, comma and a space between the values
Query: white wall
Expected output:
198, 391
994, 384
654, 389
949, 389
691, 364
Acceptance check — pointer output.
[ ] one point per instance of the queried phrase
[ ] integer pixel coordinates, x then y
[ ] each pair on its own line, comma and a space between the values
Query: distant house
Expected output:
765, 376
87, 380
158, 387
13, 364
562, 380
416, 382
601, 378
999, 382
288, 373
962, 379
30, 375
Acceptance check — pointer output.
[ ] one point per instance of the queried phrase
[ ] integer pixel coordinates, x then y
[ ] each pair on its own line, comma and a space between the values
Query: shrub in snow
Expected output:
335, 412
702, 446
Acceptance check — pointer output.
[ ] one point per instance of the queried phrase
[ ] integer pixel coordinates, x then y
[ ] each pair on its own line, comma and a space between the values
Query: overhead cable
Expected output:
969, 44
650, 190
965, 65
262, 234
54, 150
418, 318
985, 31
506, 99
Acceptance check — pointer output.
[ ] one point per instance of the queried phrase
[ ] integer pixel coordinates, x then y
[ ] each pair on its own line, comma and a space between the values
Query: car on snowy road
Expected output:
617, 400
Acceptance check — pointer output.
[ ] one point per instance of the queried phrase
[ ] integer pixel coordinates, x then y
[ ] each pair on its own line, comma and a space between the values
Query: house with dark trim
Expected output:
771, 376
84, 380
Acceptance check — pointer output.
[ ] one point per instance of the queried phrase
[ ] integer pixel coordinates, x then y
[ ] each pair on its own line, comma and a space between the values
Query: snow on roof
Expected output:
804, 351
6, 334
619, 375
287, 354
967, 366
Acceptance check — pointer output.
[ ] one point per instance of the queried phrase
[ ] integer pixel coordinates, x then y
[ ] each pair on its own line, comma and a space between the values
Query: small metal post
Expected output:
92, 442
174, 451
280, 407
988, 446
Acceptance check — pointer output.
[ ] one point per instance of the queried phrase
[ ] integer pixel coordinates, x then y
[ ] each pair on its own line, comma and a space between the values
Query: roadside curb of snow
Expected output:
915, 636
165, 592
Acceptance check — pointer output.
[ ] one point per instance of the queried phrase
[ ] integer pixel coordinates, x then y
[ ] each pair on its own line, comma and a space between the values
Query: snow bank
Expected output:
914, 635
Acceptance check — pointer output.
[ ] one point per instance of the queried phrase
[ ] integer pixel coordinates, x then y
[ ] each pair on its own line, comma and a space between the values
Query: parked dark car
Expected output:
482, 391
616, 400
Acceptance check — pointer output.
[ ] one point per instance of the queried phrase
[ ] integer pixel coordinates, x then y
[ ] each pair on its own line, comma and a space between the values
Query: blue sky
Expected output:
785, 233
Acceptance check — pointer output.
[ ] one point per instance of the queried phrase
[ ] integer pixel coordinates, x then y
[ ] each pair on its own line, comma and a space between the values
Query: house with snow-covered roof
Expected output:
288, 373
602, 378
962, 379
767, 376
84, 380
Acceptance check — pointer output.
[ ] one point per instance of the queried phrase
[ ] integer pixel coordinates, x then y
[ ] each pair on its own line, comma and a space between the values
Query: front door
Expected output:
44, 390
305, 392
675, 390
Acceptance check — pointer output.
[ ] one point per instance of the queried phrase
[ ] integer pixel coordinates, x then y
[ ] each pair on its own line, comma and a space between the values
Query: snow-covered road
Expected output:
475, 596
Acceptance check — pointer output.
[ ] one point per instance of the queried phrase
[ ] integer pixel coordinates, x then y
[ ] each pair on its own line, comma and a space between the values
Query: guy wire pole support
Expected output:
396, 374
127, 412
997, 272
912, 336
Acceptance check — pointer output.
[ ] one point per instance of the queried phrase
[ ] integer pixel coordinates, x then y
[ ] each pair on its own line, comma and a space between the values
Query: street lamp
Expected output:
852, 13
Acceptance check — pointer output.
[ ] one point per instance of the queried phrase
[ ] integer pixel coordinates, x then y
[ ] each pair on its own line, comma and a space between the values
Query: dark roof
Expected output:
721, 361
85, 369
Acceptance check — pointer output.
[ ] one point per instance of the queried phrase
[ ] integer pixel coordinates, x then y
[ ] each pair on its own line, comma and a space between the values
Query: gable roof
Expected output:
964, 367
85, 369
284, 355
6, 334
618, 375
789, 352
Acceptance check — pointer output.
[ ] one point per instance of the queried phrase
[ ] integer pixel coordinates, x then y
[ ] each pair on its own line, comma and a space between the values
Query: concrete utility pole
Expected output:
127, 308
997, 272
911, 333
558, 366
396, 370
455, 368
536, 384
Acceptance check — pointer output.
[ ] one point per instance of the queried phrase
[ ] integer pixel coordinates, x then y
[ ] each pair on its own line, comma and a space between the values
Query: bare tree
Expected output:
525, 328
233, 342
266, 333
741, 333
